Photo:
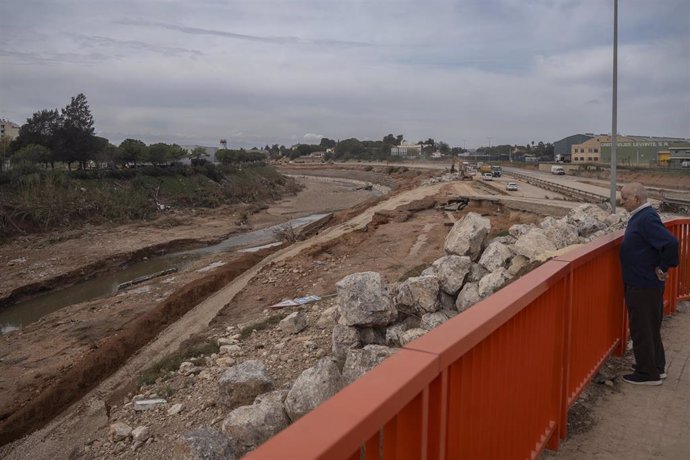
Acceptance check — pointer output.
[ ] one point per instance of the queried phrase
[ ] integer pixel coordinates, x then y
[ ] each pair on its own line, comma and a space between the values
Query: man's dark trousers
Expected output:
645, 312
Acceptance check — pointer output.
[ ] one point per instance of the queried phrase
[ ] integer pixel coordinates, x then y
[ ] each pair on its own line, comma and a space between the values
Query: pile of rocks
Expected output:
445, 177
370, 320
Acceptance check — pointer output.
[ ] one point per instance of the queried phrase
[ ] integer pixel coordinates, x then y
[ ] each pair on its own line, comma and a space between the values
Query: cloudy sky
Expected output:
468, 72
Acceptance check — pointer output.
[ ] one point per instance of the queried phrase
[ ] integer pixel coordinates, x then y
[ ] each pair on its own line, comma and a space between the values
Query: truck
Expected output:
558, 170
485, 169
496, 171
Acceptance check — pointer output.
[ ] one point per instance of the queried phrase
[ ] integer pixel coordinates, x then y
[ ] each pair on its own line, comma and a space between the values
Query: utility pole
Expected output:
614, 108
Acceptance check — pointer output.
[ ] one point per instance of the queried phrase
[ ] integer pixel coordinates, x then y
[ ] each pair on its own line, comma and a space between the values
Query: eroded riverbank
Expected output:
55, 360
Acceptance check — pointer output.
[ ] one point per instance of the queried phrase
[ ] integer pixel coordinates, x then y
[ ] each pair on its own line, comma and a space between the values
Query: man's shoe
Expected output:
639, 379
662, 374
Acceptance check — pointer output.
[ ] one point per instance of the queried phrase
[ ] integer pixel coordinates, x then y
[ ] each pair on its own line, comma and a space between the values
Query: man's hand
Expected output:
660, 274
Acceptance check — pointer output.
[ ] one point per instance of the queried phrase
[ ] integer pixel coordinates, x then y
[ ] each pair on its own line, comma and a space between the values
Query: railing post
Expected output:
561, 384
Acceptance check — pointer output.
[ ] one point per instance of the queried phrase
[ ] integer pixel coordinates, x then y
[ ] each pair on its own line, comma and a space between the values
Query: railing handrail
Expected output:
406, 403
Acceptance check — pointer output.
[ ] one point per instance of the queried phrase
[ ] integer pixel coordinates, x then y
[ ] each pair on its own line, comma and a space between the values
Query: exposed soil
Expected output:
396, 244
46, 365
49, 363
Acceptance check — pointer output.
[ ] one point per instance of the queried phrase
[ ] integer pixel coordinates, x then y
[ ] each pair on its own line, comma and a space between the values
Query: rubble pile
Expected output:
227, 404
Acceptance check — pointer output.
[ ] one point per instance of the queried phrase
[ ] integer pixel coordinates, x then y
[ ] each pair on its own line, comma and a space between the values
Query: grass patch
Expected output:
261, 325
172, 362
412, 272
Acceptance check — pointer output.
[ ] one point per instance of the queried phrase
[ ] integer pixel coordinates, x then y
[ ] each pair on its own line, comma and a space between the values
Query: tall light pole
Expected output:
614, 108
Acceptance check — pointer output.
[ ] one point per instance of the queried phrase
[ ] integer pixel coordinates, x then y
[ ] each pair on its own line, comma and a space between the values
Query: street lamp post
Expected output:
614, 108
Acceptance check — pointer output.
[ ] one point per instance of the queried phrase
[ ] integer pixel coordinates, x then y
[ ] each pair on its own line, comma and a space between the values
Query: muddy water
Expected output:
21, 314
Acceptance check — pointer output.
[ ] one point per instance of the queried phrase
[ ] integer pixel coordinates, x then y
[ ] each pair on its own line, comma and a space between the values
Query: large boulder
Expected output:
451, 272
372, 335
588, 219
420, 293
203, 444
617, 220
504, 239
344, 338
250, 426
240, 384
477, 272
559, 232
492, 282
467, 235
293, 323
410, 335
533, 243
275, 396
364, 300
447, 300
433, 320
468, 296
517, 230
328, 318
495, 256
394, 332
312, 387
359, 362
518, 265
119, 431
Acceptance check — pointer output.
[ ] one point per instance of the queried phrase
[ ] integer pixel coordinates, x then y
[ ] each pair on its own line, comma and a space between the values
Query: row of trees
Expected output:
540, 150
68, 136
353, 148
51, 135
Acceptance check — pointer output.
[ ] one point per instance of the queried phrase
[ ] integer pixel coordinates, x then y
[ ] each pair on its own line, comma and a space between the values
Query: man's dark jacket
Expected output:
647, 244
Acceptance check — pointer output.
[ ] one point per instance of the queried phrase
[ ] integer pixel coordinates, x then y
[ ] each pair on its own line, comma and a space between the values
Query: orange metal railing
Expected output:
497, 380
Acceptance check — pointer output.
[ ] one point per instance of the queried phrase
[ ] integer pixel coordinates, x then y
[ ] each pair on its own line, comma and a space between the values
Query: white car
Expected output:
487, 176
511, 186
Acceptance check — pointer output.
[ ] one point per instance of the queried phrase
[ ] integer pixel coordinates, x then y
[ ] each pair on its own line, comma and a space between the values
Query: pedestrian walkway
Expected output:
643, 422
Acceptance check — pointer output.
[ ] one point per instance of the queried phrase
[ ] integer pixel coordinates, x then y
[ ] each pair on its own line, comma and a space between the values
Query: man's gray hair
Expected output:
638, 190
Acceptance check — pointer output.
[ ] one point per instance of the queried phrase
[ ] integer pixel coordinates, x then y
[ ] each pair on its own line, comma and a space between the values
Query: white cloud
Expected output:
311, 138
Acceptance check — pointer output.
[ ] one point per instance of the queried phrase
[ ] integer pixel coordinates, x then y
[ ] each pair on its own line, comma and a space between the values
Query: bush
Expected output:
35, 200
172, 362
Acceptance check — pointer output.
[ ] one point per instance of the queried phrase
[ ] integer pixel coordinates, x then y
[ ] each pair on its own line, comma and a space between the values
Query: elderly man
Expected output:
647, 252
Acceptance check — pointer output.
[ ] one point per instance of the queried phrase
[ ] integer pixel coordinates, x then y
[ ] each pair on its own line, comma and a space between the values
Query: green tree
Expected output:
133, 150
76, 137
390, 141
350, 148
32, 153
107, 153
303, 149
158, 154
327, 143
43, 128
443, 148
176, 153
198, 153
429, 145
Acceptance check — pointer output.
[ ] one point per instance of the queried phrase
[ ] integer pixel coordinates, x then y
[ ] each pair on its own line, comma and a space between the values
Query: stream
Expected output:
21, 314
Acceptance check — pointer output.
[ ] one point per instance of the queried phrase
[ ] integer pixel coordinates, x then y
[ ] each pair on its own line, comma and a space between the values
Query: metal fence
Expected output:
497, 380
